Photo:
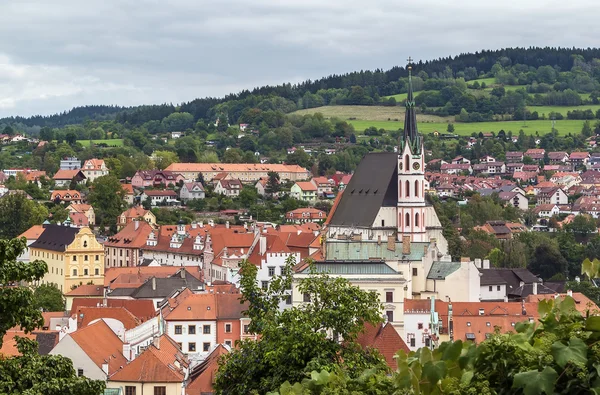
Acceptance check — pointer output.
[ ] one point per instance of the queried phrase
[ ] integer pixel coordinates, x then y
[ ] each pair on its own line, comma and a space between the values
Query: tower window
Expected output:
406, 164
416, 188
407, 219
407, 186
417, 219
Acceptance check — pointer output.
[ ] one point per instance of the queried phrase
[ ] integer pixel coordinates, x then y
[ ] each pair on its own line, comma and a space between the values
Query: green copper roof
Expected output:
440, 270
349, 250
353, 268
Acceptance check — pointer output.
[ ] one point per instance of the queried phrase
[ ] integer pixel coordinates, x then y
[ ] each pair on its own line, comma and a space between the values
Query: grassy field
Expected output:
563, 109
369, 113
110, 142
563, 127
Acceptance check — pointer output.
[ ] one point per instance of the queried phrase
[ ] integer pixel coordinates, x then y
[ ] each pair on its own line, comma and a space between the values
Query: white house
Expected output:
191, 191
158, 197
230, 188
94, 168
176, 135
547, 210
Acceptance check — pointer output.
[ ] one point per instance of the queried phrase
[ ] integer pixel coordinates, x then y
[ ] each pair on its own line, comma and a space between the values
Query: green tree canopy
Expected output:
17, 214
107, 196
49, 298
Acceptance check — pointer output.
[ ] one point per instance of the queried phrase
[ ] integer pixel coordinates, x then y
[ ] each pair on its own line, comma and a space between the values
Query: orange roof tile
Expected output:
101, 344
306, 186
33, 233
79, 207
79, 219
130, 237
128, 189
9, 343
195, 307
87, 315
384, 338
582, 302
202, 377
143, 309
87, 290
66, 174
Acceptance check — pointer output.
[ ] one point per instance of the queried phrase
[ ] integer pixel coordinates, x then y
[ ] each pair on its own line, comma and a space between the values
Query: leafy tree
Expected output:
31, 373
582, 225
107, 197
546, 260
178, 122
17, 214
273, 185
49, 298
294, 341
450, 128
71, 138
162, 159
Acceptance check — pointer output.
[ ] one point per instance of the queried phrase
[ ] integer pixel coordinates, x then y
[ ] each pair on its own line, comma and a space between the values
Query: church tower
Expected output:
411, 174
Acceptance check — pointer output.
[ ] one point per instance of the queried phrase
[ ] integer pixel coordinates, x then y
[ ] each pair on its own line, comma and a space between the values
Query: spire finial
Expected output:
409, 67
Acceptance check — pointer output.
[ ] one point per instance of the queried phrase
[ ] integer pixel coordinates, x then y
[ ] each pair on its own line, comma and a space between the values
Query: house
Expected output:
514, 157
96, 351
553, 195
68, 195
515, 199
384, 338
324, 186
451, 168
243, 127
73, 256
34, 176
460, 160
176, 135
514, 167
84, 291
524, 176
165, 197
191, 191
487, 159
510, 285
558, 158
124, 248
161, 369
135, 213
31, 235
246, 172
229, 188
70, 164
302, 215
84, 209
546, 210
202, 375
94, 168
129, 193
531, 168
502, 230
445, 190
536, 154
63, 178
155, 178
579, 159
421, 321
261, 186
304, 190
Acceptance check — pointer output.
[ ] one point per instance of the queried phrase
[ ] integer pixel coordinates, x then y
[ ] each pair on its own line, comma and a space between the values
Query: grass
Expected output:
109, 142
369, 113
563, 127
563, 109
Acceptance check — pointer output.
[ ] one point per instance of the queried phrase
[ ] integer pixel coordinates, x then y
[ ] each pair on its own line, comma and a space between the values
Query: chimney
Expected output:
227, 224
391, 243
154, 283
486, 263
182, 273
156, 342
464, 259
105, 367
478, 263
201, 224
137, 224
535, 285
127, 351
194, 225
405, 245
246, 225
570, 293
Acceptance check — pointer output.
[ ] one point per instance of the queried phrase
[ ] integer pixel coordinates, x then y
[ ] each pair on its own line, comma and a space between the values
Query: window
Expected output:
415, 271
227, 328
74, 258
96, 271
192, 329
97, 257
129, 390
160, 390
406, 163
411, 339
192, 347
206, 329
497, 288
407, 188
306, 298
389, 297
490, 288
281, 270
206, 347
85, 257
265, 284
79, 372
382, 223
416, 188
246, 328
228, 343
420, 325
390, 316
178, 330
417, 219
288, 299
407, 220
271, 271
427, 342
74, 272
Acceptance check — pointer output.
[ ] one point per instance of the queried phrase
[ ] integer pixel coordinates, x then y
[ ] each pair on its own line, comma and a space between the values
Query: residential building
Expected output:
515, 199
552, 196
177, 249
63, 178
31, 235
422, 321
459, 160
324, 186
536, 154
231, 188
558, 158
70, 164
546, 210
514, 167
125, 247
191, 191
202, 376
261, 186
68, 196
514, 157
157, 197
455, 168
579, 159
303, 215
94, 168
246, 172
176, 135
385, 339
502, 230
96, 351
304, 190
135, 213
129, 194
85, 210
84, 291
160, 370
155, 178
73, 256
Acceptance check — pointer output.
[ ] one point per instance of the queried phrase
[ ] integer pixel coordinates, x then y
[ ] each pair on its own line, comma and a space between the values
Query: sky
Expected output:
55, 55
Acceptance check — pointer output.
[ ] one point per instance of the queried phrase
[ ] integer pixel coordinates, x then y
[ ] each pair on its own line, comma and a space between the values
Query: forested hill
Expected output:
376, 84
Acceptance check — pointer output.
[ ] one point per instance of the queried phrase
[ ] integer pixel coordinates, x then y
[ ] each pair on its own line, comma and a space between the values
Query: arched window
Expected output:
406, 168
74, 272
407, 220
400, 189
407, 187
416, 188
417, 220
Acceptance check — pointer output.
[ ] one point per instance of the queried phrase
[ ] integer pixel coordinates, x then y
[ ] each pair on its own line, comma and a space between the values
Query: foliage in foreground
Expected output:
559, 355
31, 373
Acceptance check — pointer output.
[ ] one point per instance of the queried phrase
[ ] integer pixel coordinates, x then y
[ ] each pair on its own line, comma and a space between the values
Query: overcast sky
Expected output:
58, 54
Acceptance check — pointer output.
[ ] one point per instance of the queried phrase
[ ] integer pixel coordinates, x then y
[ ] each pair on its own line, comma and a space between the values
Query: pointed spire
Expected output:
411, 134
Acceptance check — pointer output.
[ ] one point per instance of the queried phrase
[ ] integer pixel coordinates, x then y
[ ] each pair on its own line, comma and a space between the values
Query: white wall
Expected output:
142, 335
461, 286
173, 259
494, 294
67, 347
199, 338
277, 261
411, 327
388, 215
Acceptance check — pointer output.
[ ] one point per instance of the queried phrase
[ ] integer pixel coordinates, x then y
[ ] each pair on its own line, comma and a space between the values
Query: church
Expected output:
386, 195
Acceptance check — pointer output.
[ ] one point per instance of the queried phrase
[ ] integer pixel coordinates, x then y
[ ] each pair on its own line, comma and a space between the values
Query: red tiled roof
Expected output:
582, 302
9, 343
130, 237
67, 174
128, 189
101, 344
87, 290
86, 315
385, 339
79, 219
33, 233
143, 309
202, 376
306, 186
145, 272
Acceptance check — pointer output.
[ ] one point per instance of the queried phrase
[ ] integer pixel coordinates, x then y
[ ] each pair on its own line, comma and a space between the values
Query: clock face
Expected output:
416, 166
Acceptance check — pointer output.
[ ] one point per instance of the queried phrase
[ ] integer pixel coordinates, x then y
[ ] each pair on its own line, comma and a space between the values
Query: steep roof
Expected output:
202, 376
101, 344
130, 237
86, 315
55, 238
195, 307
141, 309
33, 233
385, 339
373, 185
87, 290
68, 174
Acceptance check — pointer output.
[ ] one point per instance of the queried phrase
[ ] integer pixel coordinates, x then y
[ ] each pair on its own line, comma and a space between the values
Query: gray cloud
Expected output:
56, 55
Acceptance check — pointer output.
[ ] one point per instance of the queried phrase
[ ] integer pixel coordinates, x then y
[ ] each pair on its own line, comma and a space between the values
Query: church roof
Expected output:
373, 185
411, 134
441, 270
350, 250
352, 267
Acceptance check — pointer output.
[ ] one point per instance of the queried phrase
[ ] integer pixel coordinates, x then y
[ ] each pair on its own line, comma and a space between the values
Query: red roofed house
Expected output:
85, 209
202, 376
302, 215
304, 190
123, 249
95, 350
68, 195
94, 168
579, 159
160, 370
155, 178
135, 213
535, 153
158, 197
385, 339
63, 178
129, 193
84, 291
231, 187
324, 186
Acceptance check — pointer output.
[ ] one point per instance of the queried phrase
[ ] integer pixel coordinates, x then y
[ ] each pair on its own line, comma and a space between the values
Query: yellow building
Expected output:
73, 255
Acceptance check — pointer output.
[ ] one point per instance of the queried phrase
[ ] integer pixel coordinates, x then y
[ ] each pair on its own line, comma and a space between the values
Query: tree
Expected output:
31, 373
582, 225
450, 128
162, 159
17, 214
547, 261
295, 341
107, 196
586, 129
273, 186
49, 298
178, 122
71, 138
